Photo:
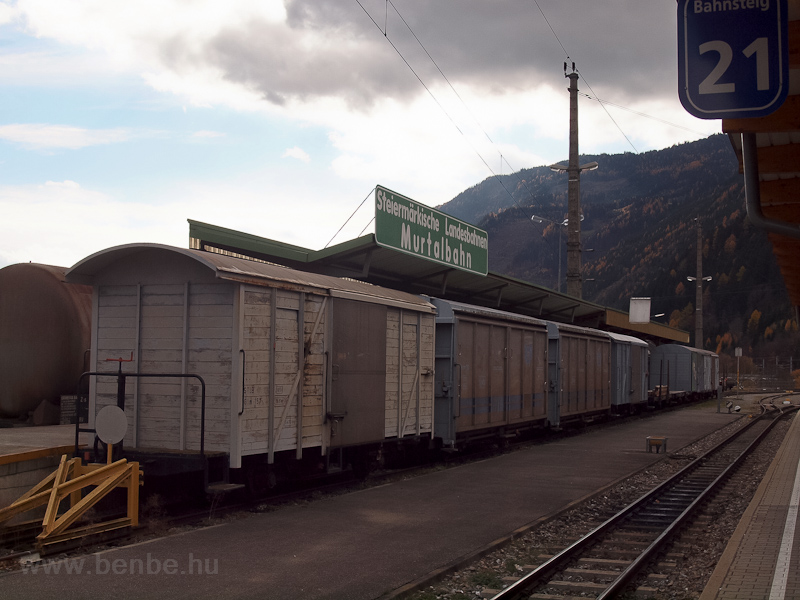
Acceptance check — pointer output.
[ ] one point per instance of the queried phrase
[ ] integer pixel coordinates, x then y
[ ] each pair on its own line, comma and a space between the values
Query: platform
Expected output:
28, 454
762, 558
366, 544
24, 443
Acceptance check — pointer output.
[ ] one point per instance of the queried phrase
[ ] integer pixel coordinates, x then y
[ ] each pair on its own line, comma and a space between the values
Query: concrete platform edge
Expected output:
729, 554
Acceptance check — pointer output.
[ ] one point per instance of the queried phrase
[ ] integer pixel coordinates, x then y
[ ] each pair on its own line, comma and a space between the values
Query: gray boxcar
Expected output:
584, 377
693, 372
629, 372
499, 372
491, 372
293, 362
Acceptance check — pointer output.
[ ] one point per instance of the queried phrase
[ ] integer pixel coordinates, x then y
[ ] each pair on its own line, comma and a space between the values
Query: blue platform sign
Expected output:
733, 57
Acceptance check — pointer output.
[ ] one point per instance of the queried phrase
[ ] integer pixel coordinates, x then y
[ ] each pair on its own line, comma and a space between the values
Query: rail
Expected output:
541, 575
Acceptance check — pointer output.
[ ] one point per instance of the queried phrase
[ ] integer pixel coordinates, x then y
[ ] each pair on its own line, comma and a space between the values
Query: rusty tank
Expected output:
45, 328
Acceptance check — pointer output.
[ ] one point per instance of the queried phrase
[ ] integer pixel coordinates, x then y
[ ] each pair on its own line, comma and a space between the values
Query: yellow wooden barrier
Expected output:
69, 479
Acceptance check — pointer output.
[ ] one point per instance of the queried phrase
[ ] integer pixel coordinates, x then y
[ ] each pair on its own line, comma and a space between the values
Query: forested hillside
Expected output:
639, 239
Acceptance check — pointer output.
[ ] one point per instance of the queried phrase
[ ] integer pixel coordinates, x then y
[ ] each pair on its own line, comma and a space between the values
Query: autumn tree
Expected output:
752, 324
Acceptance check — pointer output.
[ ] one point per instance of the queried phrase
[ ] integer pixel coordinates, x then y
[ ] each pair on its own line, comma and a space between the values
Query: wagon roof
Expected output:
626, 338
364, 259
482, 311
679, 349
249, 271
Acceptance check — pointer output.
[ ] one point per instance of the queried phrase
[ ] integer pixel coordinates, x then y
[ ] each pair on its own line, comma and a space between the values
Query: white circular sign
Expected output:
111, 424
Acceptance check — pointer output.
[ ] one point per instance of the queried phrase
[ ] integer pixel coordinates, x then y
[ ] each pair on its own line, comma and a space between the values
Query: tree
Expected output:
752, 324
730, 244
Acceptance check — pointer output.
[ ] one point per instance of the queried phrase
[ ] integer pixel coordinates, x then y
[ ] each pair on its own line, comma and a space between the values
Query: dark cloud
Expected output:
625, 49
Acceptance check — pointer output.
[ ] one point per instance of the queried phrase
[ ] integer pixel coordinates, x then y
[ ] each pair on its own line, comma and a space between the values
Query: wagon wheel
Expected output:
261, 481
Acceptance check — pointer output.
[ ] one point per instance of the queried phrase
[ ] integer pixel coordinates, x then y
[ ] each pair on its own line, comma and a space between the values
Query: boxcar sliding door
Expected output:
358, 372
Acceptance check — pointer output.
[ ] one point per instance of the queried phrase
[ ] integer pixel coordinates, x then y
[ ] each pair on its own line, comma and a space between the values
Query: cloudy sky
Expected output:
120, 120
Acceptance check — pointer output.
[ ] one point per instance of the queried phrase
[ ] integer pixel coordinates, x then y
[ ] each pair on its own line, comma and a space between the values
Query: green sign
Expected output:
416, 229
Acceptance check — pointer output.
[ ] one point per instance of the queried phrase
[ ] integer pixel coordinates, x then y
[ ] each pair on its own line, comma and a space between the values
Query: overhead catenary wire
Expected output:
438, 103
641, 114
551, 29
581, 74
514, 172
627, 139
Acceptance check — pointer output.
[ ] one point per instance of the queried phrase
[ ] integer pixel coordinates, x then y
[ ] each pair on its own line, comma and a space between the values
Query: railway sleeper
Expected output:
552, 597
631, 537
692, 486
671, 503
658, 509
579, 587
619, 553
604, 562
594, 574
630, 544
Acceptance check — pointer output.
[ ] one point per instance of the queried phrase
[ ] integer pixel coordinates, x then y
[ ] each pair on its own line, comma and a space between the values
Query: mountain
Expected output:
639, 239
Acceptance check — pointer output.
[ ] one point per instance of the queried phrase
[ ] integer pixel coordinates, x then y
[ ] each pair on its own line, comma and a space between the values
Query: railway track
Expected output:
604, 562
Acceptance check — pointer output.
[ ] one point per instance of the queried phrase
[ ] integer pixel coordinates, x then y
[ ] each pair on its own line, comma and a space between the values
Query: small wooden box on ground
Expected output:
656, 441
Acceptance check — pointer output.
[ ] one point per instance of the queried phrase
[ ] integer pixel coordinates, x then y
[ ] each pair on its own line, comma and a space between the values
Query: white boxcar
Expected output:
293, 362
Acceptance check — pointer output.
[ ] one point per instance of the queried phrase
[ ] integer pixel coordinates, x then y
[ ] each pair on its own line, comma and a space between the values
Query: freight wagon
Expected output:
301, 371
280, 373
688, 371
499, 373
630, 358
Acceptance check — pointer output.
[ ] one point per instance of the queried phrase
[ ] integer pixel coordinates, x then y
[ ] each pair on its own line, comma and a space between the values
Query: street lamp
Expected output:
698, 311
564, 223
559, 168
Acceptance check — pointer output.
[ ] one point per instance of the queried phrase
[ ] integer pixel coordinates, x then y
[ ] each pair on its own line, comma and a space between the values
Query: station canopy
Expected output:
364, 259
768, 149
770, 159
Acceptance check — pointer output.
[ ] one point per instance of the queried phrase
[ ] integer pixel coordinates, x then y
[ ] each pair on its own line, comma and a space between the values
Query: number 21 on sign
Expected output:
732, 57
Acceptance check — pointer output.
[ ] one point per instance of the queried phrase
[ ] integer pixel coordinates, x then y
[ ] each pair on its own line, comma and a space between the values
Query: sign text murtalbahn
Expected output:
416, 229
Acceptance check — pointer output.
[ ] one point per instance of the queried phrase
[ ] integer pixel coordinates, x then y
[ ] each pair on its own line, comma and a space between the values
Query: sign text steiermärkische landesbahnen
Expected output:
419, 230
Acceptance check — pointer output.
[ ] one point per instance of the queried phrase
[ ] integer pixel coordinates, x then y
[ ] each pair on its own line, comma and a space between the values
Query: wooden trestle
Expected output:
69, 479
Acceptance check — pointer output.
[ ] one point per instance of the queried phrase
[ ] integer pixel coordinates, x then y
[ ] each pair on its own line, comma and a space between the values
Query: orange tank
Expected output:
45, 328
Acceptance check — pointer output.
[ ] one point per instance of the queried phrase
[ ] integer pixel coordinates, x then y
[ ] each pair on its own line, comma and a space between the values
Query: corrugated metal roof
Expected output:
249, 271
482, 311
365, 260
626, 338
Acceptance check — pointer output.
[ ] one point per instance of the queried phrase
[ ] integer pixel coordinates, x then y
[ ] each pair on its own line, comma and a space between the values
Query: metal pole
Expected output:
698, 313
574, 283
560, 242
